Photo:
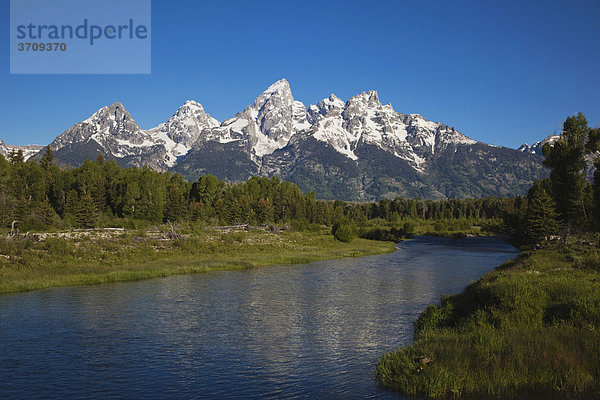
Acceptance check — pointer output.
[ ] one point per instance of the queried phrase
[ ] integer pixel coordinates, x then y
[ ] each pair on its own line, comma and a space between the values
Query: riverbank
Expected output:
528, 329
93, 257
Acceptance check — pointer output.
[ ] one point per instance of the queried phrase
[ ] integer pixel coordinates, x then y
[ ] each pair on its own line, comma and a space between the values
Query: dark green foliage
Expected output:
565, 202
101, 193
175, 204
47, 159
16, 157
86, 212
344, 230
542, 219
409, 228
383, 234
566, 160
345, 233
531, 326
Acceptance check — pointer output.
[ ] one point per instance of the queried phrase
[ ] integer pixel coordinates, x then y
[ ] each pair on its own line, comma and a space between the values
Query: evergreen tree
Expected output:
86, 213
175, 205
541, 219
71, 205
100, 159
567, 162
98, 192
16, 157
47, 159
264, 211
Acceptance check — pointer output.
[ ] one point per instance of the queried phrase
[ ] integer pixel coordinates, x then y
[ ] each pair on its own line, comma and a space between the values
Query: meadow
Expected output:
529, 329
38, 261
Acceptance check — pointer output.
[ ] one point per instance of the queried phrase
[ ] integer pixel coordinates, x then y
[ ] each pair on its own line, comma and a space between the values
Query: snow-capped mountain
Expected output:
182, 130
267, 124
3, 148
363, 119
28, 150
354, 150
113, 132
536, 148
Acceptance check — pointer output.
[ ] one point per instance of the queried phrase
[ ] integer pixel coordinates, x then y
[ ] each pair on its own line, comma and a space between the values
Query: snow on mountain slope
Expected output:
359, 149
112, 127
112, 132
28, 149
323, 107
363, 119
182, 130
263, 127
536, 148
267, 124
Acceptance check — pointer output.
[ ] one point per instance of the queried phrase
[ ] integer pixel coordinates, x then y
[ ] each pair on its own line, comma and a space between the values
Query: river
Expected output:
300, 331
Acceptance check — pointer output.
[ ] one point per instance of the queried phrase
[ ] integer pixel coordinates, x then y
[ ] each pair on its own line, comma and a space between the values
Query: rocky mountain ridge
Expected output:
354, 150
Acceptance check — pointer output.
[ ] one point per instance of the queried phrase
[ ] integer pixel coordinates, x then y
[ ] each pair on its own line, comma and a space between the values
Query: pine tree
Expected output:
541, 218
264, 211
100, 159
98, 192
175, 205
566, 159
86, 213
16, 157
71, 204
47, 159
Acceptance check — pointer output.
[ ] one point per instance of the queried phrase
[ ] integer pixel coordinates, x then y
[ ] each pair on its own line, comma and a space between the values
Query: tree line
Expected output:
566, 202
38, 195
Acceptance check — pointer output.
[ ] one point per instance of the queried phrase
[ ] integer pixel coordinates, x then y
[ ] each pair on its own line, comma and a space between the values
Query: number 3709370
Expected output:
41, 46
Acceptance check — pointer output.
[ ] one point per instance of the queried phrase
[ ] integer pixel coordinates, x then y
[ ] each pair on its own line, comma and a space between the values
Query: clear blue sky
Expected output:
503, 72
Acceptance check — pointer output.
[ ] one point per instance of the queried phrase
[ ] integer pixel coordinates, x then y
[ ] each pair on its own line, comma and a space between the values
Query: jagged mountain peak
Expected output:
267, 124
279, 94
368, 99
281, 86
324, 107
333, 99
182, 130
536, 148
194, 114
114, 119
116, 108
190, 105
355, 149
113, 132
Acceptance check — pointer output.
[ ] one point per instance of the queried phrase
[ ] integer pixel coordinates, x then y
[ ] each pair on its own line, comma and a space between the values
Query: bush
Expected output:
409, 228
439, 226
344, 231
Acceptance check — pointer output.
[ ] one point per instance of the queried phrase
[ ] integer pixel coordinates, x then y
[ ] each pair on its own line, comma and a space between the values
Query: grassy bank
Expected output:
529, 329
378, 229
30, 263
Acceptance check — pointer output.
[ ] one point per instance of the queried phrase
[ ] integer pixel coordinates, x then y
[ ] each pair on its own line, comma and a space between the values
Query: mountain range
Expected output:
28, 150
357, 149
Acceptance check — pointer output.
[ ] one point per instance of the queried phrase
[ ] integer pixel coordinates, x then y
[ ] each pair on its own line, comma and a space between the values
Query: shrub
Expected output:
439, 226
409, 228
344, 232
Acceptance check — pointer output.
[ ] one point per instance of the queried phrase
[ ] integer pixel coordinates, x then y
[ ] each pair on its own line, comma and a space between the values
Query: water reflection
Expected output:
307, 331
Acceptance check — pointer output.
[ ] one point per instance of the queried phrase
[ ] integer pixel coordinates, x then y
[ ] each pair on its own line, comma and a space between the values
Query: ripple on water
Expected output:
300, 331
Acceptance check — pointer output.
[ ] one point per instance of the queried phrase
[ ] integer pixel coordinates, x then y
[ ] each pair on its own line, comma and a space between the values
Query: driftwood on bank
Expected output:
247, 227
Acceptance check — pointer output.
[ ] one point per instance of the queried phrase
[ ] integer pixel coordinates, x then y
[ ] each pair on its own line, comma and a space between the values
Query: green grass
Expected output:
379, 229
62, 262
529, 328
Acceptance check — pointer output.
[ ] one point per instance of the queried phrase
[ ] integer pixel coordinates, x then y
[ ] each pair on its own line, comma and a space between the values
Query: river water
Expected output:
301, 331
